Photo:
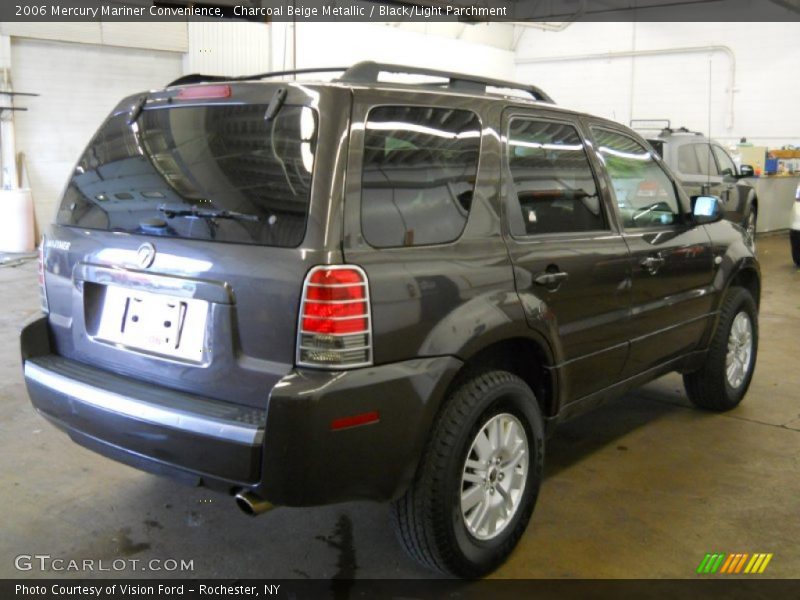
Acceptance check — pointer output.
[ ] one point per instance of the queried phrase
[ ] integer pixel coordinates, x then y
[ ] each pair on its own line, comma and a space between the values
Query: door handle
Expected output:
652, 264
550, 279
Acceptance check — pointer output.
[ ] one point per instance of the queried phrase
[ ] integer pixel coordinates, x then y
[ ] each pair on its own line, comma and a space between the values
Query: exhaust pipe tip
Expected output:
252, 505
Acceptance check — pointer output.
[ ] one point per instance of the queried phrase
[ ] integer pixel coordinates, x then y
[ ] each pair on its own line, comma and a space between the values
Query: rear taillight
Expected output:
42, 288
335, 329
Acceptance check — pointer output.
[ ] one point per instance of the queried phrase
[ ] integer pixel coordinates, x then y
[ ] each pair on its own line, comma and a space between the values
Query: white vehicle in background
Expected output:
794, 234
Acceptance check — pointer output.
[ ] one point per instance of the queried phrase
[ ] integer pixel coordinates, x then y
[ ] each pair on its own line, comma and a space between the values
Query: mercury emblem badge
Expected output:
145, 255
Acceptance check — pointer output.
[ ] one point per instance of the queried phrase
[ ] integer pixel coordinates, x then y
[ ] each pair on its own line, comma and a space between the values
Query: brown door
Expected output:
671, 263
570, 263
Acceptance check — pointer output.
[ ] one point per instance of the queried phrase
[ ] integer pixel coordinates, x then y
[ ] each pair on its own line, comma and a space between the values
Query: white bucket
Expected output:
16, 224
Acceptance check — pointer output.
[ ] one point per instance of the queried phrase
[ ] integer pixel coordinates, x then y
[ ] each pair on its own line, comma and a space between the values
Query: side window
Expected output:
726, 164
687, 160
553, 182
418, 175
705, 160
645, 195
658, 146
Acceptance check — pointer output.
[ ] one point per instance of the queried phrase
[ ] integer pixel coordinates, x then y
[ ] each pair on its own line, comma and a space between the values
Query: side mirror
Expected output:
746, 171
706, 209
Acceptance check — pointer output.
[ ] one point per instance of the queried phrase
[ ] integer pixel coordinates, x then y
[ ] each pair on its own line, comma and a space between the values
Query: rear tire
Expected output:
794, 238
478, 479
723, 380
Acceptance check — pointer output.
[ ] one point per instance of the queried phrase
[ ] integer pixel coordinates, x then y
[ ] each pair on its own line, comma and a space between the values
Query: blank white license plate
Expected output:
154, 323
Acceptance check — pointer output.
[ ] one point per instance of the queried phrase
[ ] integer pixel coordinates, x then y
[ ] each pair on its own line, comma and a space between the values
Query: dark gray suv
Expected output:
306, 293
703, 166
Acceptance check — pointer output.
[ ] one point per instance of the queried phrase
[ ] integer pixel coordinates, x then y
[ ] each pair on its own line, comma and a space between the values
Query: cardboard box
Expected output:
785, 153
755, 156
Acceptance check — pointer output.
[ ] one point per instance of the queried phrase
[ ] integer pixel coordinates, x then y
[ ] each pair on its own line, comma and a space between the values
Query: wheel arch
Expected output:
527, 356
751, 204
746, 276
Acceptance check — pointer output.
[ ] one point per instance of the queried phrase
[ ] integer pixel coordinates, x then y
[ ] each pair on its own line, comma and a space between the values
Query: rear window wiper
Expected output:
136, 110
208, 214
275, 104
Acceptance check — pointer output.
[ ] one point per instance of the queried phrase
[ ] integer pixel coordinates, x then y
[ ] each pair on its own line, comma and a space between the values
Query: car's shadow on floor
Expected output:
581, 437
356, 539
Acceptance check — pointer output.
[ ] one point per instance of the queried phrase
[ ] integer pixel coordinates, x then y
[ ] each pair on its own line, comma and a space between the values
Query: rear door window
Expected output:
552, 181
217, 172
418, 174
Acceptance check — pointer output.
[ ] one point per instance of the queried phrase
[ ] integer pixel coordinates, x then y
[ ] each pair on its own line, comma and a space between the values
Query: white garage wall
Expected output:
679, 87
227, 48
320, 44
79, 84
168, 35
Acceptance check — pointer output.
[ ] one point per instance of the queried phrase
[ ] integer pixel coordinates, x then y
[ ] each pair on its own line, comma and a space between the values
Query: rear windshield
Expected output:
218, 172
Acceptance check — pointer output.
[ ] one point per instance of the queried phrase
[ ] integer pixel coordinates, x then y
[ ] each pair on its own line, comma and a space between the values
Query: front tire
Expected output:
478, 479
723, 380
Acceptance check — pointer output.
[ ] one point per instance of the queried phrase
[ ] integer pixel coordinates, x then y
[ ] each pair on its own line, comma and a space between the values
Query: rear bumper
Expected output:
287, 453
170, 428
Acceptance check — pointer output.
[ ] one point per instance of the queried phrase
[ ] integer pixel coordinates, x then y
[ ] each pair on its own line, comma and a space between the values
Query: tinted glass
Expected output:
687, 160
418, 175
645, 195
705, 160
552, 180
218, 173
726, 164
658, 146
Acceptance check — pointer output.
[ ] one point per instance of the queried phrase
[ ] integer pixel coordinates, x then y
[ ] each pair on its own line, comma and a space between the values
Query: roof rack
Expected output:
641, 125
651, 124
670, 131
369, 72
200, 78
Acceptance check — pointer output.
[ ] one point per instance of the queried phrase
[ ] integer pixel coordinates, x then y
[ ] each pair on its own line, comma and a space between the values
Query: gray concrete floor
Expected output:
643, 487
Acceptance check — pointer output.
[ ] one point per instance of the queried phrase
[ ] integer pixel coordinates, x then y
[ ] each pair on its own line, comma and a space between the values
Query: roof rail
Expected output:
369, 72
200, 78
680, 130
642, 125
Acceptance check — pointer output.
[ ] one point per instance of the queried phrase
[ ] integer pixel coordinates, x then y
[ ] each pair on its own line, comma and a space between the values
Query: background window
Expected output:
554, 185
419, 174
687, 160
726, 165
645, 195
705, 160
